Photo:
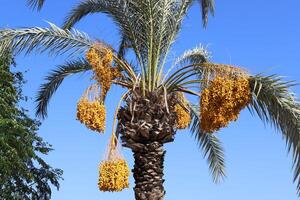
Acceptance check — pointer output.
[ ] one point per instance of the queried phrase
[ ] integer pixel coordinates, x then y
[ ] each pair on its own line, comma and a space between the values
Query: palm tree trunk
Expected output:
145, 124
148, 172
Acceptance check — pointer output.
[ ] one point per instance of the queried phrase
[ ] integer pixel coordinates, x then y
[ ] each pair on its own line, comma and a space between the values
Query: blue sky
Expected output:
261, 36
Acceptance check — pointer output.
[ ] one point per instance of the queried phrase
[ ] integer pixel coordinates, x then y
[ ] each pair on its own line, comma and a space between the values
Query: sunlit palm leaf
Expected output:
156, 25
54, 40
211, 147
196, 55
275, 104
54, 80
192, 73
120, 13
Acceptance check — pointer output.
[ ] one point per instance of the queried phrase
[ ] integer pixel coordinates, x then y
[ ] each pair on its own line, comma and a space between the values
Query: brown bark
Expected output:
145, 124
148, 172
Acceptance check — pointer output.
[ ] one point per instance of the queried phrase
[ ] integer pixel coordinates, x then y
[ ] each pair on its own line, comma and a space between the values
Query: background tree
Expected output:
24, 174
147, 118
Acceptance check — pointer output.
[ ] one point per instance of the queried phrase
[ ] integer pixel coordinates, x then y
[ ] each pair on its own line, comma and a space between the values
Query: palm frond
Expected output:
196, 55
208, 6
85, 8
178, 75
275, 104
38, 4
211, 147
150, 26
191, 58
126, 14
192, 74
54, 40
123, 47
180, 11
54, 80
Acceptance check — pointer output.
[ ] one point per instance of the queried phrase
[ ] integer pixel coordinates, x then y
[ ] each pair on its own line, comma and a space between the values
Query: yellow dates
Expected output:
101, 59
113, 175
92, 114
183, 117
182, 114
222, 101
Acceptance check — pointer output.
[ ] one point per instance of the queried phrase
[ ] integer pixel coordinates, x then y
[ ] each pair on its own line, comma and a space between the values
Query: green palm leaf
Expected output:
190, 72
54, 80
208, 6
54, 40
85, 8
211, 146
123, 13
156, 25
36, 3
123, 47
275, 104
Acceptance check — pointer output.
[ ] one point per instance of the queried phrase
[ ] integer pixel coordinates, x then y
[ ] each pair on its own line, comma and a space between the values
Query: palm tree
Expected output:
146, 119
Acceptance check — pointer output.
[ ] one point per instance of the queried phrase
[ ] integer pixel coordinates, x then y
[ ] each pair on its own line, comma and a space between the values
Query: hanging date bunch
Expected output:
101, 58
225, 94
91, 110
113, 170
182, 113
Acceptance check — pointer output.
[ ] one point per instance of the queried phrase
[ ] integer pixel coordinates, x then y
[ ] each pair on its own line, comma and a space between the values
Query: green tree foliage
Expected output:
23, 172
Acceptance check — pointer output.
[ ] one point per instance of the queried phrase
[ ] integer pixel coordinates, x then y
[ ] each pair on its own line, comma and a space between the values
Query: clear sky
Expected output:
262, 36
